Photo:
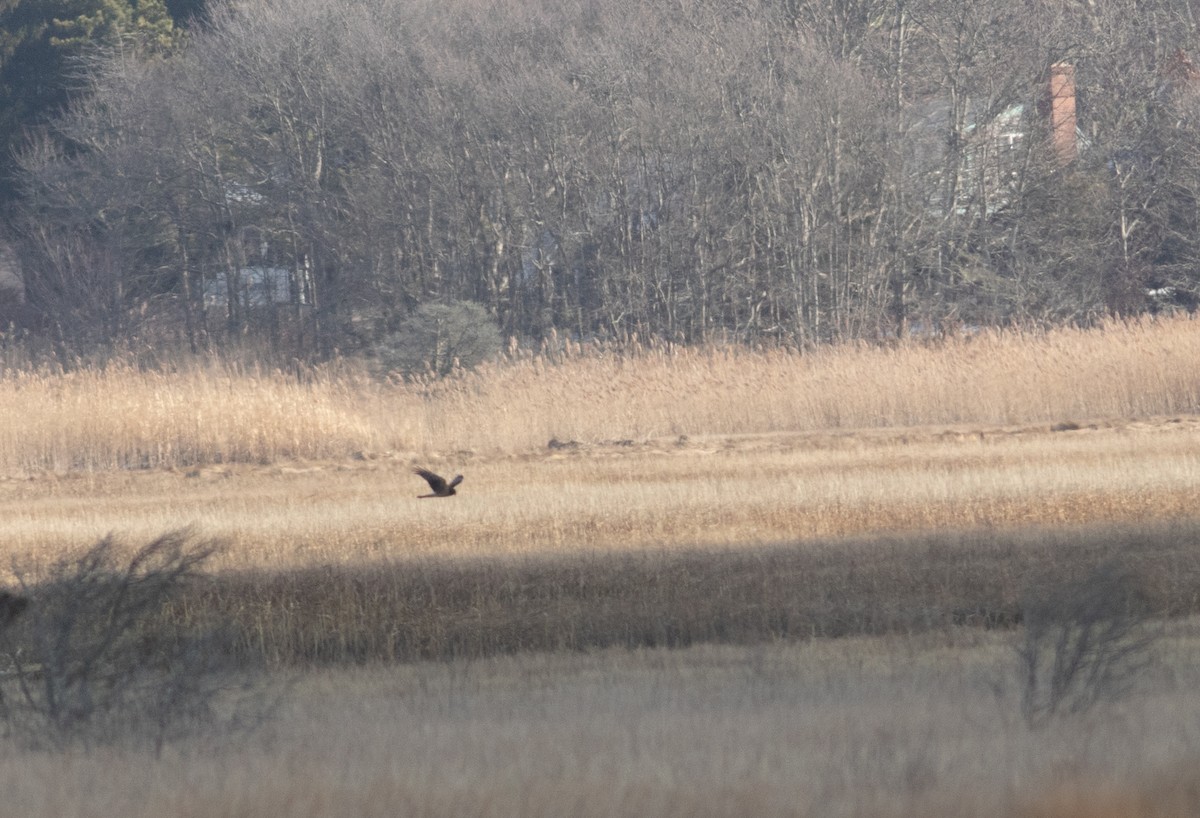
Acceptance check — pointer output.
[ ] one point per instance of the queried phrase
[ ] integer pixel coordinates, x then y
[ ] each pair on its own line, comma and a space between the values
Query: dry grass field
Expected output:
737, 490
723, 538
727, 504
96, 419
903, 726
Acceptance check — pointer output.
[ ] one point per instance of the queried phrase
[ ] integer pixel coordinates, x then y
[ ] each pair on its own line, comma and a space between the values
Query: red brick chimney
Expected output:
1062, 112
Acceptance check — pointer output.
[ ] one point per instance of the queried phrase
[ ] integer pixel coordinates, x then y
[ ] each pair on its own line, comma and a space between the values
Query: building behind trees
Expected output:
305, 175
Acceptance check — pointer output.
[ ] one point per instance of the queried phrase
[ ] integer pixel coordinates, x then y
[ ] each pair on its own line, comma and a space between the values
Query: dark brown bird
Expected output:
439, 485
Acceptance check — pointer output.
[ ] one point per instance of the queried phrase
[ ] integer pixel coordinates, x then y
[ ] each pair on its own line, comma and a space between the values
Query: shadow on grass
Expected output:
426, 609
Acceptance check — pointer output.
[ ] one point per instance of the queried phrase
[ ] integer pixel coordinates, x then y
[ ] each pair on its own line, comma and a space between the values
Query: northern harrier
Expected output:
439, 485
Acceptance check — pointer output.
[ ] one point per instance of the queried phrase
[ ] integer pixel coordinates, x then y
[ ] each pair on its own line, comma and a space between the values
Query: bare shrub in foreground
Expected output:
1086, 641
97, 657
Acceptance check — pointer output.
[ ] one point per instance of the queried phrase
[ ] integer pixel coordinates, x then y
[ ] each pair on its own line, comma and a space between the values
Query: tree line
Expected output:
309, 173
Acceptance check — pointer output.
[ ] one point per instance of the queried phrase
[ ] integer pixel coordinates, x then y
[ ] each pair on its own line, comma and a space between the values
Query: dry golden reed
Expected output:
1119, 369
123, 417
459, 607
792, 510
711, 491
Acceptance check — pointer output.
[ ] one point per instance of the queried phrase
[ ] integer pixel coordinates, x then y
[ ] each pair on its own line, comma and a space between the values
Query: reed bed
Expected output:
406, 610
1119, 369
120, 417
710, 492
636, 546
211, 412
729, 504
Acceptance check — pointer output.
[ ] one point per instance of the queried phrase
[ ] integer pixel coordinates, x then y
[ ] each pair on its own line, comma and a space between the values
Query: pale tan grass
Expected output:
126, 418
219, 413
781, 447
905, 726
724, 492
1117, 370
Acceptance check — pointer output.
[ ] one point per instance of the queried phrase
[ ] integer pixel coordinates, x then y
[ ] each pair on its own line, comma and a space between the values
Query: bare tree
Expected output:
96, 657
796, 171
1085, 643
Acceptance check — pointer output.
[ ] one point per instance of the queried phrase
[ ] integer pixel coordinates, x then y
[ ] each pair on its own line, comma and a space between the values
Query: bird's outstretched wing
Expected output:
436, 482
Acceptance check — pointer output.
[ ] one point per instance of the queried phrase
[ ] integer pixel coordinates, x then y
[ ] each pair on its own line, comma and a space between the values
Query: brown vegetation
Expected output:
552, 584
902, 727
737, 532
473, 608
124, 417
94, 661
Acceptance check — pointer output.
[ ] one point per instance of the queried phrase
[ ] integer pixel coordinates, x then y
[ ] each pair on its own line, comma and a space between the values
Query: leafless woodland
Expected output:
307, 173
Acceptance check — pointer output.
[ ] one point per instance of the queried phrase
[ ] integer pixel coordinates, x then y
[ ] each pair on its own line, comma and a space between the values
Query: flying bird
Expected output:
438, 484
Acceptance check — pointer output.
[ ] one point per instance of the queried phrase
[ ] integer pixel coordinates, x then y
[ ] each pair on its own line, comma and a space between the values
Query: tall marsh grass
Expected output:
122, 417
1122, 369
461, 608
